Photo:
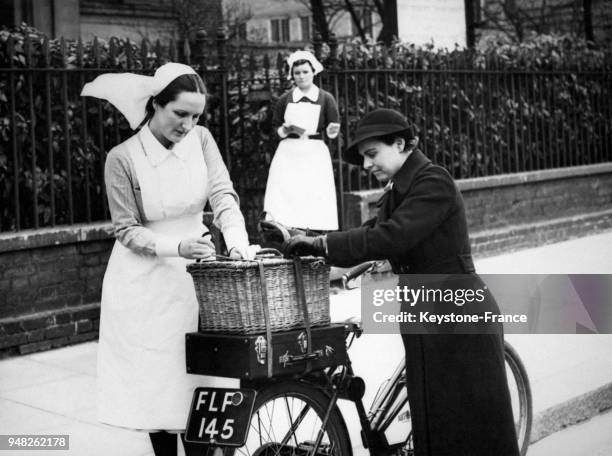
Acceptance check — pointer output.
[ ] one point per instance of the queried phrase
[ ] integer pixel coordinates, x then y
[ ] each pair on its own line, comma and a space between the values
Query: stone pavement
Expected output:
571, 375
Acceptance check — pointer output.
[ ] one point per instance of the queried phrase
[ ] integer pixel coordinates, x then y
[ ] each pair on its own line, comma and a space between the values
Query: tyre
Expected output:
520, 395
286, 419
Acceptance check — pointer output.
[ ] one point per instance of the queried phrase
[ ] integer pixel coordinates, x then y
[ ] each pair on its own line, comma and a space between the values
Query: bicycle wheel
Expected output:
286, 419
520, 395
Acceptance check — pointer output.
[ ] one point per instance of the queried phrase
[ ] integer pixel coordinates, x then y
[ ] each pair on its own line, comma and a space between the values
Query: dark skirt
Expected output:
458, 392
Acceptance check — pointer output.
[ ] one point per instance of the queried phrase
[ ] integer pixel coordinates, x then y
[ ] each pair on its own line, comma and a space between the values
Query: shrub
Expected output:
501, 108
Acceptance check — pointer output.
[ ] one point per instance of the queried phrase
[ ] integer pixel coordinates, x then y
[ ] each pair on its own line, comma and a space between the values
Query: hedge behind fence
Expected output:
503, 108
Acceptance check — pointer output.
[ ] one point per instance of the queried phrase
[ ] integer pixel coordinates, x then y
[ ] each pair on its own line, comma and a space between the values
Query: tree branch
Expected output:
319, 19
356, 19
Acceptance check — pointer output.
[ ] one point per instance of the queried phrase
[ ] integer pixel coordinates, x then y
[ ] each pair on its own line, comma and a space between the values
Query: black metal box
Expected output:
246, 356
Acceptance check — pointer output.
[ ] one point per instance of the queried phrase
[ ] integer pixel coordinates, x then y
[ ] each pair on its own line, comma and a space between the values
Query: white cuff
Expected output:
167, 246
281, 132
235, 237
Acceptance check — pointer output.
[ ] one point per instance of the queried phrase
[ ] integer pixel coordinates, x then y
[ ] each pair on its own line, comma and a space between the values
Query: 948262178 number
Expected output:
33, 441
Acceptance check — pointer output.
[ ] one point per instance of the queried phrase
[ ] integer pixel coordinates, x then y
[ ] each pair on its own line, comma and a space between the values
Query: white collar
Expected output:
155, 151
311, 94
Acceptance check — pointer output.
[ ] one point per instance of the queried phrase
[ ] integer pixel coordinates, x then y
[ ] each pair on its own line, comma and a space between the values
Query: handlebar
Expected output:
356, 272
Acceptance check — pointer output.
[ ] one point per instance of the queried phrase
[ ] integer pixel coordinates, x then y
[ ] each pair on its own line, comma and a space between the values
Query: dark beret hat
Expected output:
379, 122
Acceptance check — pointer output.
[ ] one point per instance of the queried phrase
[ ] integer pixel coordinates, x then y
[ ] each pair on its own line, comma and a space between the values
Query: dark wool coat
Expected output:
456, 383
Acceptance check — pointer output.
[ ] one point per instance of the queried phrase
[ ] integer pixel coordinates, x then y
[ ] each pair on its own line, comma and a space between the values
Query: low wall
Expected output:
50, 279
50, 285
522, 210
50, 282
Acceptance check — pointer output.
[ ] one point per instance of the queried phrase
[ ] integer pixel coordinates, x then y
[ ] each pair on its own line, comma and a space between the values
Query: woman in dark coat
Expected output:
457, 387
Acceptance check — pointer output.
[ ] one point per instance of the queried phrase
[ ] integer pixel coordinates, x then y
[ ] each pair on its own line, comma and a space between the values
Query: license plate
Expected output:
220, 416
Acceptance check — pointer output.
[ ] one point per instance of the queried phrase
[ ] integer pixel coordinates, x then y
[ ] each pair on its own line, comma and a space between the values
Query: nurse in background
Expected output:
300, 192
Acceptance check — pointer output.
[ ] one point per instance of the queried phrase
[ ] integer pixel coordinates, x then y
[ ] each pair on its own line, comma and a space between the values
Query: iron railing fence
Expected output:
474, 119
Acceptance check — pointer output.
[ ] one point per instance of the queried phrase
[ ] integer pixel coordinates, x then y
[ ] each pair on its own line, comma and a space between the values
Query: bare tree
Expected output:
587, 12
324, 12
319, 19
388, 12
190, 16
236, 14
515, 18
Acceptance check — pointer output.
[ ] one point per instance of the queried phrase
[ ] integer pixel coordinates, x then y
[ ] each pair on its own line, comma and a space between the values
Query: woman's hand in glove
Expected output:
305, 245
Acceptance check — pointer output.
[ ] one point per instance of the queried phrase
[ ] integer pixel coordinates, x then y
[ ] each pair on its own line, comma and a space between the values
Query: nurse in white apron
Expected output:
300, 192
157, 183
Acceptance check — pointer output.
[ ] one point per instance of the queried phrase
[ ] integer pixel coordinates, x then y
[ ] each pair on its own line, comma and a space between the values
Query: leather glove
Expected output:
273, 233
305, 245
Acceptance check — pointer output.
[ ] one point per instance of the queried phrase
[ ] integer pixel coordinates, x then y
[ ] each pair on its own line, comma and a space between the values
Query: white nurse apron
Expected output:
149, 303
301, 192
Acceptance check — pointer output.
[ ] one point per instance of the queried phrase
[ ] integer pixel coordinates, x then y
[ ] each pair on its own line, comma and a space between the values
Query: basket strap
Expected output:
301, 295
266, 312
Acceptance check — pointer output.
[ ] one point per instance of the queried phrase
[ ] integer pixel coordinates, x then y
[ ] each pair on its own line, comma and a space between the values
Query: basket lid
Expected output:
246, 264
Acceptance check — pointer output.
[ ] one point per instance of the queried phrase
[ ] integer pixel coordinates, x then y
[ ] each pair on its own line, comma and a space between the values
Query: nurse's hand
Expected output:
245, 252
332, 130
200, 248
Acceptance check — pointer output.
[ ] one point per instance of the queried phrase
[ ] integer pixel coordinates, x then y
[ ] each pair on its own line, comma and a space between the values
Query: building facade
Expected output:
278, 22
133, 19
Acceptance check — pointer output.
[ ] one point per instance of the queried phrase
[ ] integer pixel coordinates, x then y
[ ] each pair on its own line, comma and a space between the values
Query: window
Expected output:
305, 28
280, 30
242, 31
285, 30
275, 29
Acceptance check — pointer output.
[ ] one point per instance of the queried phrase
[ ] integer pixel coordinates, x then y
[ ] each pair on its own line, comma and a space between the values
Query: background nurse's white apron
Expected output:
149, 303
301, 192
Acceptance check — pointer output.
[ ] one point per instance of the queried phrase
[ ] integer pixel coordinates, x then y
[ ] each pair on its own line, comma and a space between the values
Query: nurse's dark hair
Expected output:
183, 83
298, 63
407, 135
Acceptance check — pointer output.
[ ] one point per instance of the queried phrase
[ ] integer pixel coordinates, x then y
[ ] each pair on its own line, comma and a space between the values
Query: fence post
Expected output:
144, 54
221, 55
187, 52
201, 36
15, 145
333, 65
333, 50
317, 44
32, 133
49, 129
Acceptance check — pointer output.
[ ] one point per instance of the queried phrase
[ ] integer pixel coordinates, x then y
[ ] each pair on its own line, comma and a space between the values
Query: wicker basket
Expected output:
231, 300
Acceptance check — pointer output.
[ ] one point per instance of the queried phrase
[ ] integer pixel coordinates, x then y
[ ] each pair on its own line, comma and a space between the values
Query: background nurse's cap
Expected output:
379, 122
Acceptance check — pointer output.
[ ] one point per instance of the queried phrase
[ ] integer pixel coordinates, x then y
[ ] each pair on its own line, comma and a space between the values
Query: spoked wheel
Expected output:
286, 420
520, 396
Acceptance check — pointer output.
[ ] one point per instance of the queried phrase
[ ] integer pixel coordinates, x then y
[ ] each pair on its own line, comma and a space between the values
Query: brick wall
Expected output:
50, 284
45, 330
50, 279
523, 210
503, 201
